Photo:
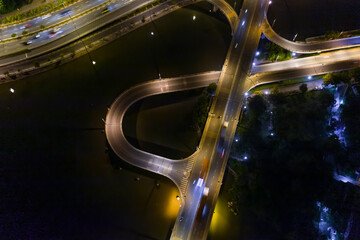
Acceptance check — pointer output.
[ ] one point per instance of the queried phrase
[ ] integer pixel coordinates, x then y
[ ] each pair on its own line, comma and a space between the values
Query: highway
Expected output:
87, 16
309, 66
308, 47
220, 127
67, 33
77, 28
33, 25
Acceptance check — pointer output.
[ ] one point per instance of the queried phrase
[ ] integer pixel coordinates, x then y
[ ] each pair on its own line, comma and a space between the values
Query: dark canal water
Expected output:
311, 18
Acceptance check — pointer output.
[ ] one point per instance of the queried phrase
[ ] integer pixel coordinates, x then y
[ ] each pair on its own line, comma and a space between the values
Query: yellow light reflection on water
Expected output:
173, 204
219, 222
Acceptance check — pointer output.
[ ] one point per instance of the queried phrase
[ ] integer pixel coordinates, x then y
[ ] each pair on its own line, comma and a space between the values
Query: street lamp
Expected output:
93, 62
12, 90
178, 198
295, 37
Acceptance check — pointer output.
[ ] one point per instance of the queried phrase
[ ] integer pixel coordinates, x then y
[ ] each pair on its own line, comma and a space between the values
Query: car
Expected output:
28, 42
53, 32
28, 25
66, 12
46, 16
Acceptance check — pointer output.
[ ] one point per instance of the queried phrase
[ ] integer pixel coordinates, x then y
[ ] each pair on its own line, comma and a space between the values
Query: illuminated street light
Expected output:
246, 94
293, 54
93, 62
178, 198
309, 77
12, 90
152, 33
266, 92
194, 17
270, 2
257, 53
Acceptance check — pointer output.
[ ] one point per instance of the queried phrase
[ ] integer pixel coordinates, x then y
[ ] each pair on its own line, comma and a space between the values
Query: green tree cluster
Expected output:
200, 113
342, 77
11, 5
332, 35
33, 12
350, 117
288, 171
211, 89
276, 53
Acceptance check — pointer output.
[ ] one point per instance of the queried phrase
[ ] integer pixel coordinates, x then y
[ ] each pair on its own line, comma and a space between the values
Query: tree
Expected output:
332, 35
211, 88
303, 88
36, 64
355, 73
336, 78
24, 32
257, 104
42, 27
13, 35
275, 90
276, 53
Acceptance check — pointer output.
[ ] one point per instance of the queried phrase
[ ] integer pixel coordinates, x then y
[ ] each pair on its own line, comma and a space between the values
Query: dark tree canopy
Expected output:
11, 5
289, 171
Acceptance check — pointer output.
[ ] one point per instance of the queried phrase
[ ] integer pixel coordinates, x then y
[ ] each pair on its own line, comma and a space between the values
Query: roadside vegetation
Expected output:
285, 155
143, 9
332, 35
49, 7
270, 51
342, 77
350, 117
7, 6
276, 53
201, 110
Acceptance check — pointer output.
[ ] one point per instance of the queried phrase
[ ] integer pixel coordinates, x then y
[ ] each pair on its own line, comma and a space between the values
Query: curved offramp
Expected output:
176, 170
307, 47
